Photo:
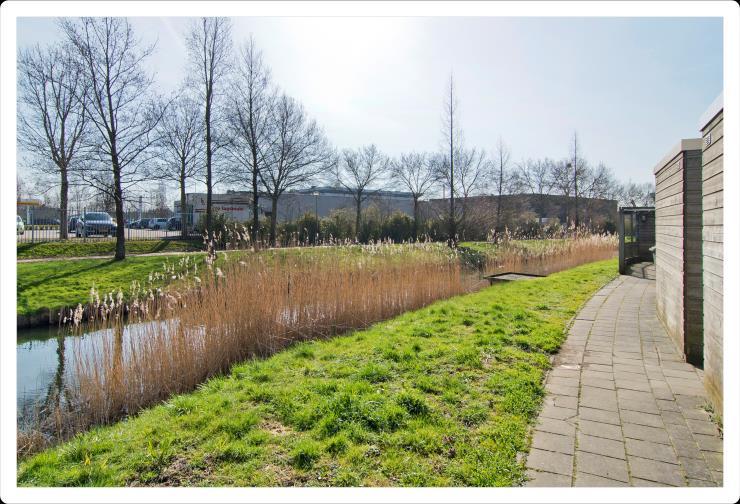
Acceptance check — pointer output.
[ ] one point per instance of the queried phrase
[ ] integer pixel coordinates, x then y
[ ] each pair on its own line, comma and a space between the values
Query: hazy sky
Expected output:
631, 87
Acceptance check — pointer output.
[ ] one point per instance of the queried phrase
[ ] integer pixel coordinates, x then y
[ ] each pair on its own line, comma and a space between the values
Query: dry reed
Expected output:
243, 305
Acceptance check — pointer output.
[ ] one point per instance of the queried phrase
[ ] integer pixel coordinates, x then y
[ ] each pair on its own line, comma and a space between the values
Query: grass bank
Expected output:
438, 396
78, 248
59, 284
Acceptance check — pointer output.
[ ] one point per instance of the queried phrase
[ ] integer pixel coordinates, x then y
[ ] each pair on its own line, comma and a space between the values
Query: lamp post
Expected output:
316, 211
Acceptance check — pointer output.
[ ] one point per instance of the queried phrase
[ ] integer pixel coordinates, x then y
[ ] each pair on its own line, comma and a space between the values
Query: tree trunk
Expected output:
255, 199
273, 220
416, 218
118, 199
63, 204
209, 156
358, 214
183, 205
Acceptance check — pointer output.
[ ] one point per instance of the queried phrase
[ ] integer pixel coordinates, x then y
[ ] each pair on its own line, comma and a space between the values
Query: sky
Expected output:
630, 87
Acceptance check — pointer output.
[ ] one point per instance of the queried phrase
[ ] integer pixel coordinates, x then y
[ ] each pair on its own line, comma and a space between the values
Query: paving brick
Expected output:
600, 429
554, 426
700, 483
637, 482
696, 469
545, 479
565, 381
599, 465
717, 477
553, 442
564, 401
650, 450
640, 418
547, 461
598, 415
551, 411
687, 447
708, 443
601, 446
673, 417
664, 405
639, 406
702, 427
634, 395
593, 397
561, 390
600, 383
714, 460
633, 385
589, 480
646, 433
654, 470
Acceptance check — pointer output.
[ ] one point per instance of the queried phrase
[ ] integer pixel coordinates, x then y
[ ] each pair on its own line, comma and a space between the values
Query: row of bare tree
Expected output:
89, 114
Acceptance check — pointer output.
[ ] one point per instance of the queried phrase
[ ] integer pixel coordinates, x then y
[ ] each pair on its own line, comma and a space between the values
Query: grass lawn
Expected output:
58, 284
78, 248
440, 396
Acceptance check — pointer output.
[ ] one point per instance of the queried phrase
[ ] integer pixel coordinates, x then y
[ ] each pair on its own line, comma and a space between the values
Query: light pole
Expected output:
316, 211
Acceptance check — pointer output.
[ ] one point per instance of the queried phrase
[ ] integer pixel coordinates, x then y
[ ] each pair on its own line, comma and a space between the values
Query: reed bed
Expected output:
245, 304
549, 256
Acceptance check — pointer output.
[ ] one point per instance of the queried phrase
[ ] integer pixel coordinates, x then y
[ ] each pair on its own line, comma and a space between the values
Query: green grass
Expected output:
78, 248
59, 283
440, 396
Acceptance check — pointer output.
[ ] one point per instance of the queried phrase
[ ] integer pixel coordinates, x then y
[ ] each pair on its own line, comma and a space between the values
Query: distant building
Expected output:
292, 205
323, 200
237, 205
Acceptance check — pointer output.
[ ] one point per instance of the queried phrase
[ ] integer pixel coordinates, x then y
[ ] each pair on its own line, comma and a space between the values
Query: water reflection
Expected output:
46, 360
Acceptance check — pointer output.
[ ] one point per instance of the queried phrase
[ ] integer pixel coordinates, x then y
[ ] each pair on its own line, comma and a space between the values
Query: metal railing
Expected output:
37, 227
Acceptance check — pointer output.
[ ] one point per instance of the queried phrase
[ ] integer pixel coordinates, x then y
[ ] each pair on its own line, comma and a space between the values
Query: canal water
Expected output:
46, 358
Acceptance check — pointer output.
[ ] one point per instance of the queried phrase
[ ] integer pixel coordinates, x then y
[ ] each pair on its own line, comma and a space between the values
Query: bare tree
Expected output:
297, 153
251, 105
471, 177
502, 179
209, 47
117, 86
534, 177
446, 167
181, 144
357, 172
579, 169
415, 172
52, 124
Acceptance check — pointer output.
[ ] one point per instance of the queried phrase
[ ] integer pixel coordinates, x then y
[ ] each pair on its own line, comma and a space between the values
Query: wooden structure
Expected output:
636, 229
712, 169
678, 254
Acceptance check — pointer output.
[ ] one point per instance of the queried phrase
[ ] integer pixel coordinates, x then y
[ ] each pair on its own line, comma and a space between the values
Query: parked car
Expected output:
144, 223
20, 228
174, 224
158, 224
72, 223
92, 223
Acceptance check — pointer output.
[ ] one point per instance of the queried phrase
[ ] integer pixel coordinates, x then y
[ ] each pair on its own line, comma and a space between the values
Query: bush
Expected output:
399, 227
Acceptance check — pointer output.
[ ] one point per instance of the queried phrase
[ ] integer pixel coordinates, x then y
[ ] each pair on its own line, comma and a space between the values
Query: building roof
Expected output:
712, 111
324, 190
684, 145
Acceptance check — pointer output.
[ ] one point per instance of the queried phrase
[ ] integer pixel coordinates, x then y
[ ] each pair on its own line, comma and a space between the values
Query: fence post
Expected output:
84, 233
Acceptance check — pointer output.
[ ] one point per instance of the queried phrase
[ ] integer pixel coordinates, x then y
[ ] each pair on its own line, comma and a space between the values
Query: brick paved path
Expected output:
622, 407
